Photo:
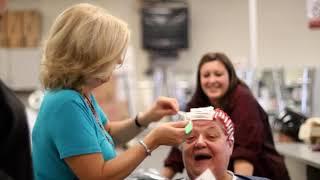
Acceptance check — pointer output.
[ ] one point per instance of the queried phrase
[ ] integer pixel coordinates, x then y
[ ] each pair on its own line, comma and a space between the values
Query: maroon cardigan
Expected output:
253, 138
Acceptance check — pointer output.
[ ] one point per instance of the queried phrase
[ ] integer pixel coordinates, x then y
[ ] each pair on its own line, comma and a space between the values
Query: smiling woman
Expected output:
214, 80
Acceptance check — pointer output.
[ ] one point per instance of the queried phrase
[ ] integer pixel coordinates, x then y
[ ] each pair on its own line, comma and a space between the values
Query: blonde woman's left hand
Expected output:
162, 107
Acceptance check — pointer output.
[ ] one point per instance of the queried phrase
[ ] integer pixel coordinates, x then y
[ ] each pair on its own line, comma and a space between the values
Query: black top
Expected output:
240, 177
15, 152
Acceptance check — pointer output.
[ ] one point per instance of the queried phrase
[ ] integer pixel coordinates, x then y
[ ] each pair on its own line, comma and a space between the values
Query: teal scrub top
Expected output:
66, 127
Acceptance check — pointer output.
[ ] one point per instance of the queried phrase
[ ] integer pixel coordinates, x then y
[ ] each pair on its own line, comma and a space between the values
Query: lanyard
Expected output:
96, 117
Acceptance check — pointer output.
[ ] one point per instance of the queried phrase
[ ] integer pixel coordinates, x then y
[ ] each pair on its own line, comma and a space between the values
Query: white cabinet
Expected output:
19, 68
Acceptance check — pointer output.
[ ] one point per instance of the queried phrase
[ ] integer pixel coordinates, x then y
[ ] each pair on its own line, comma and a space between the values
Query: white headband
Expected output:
208, 113
204, 113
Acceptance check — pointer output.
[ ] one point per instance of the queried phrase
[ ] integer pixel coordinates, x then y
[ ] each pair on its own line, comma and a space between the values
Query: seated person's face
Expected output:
206, 147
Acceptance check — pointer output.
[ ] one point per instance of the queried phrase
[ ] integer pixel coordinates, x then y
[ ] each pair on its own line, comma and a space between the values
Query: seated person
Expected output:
209, 146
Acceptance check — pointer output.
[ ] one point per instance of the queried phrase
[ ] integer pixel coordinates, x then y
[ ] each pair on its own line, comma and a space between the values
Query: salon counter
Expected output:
297, 157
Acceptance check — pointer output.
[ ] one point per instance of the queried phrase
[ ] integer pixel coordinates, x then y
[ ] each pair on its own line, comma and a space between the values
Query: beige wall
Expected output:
284, 36
218, 25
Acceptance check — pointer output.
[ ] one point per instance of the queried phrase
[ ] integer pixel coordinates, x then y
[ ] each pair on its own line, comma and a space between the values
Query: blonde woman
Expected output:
72, 138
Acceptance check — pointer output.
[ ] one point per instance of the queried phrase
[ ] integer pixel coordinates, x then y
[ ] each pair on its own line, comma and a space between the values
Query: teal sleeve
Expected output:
73, 132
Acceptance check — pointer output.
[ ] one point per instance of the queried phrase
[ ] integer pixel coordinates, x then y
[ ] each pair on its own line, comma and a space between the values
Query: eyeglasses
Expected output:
118, 66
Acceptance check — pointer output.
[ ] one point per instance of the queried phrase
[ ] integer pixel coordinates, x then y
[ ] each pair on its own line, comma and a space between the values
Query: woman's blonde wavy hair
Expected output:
84, 42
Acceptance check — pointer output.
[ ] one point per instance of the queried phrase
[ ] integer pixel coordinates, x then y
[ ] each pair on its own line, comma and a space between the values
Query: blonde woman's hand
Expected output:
171, 134
162, 107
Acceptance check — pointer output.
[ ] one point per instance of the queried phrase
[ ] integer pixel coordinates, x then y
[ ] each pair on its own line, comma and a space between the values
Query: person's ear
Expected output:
230, 144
